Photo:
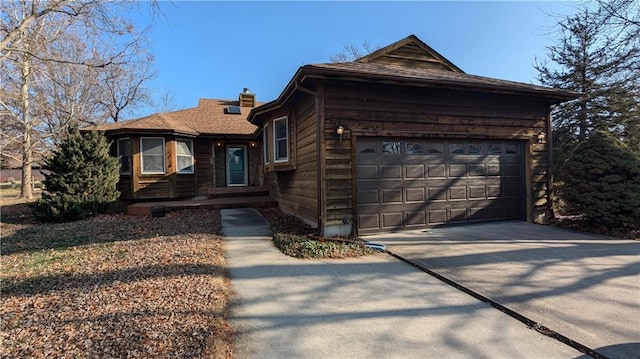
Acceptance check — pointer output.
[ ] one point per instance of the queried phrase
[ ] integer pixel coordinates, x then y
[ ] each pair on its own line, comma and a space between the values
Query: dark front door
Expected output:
405, 183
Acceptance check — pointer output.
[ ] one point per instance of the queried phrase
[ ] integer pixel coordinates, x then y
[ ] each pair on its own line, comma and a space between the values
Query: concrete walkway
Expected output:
372, 307
585, 287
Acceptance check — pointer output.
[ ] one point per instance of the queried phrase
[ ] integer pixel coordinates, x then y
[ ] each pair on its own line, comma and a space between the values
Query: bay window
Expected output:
152, 155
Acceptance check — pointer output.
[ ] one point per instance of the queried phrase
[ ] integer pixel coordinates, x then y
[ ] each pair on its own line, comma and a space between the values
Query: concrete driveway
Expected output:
583, 286
371, 307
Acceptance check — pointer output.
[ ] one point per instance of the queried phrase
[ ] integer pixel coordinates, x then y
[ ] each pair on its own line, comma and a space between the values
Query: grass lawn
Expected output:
113, 286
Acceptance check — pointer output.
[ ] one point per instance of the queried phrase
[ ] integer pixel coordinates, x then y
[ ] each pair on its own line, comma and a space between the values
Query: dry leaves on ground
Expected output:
140, 287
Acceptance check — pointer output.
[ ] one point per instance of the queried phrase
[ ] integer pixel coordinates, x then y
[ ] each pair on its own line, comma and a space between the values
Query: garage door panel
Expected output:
392, 220
437, 171
457, 215
476, 192
368, 172
457, 170
437, 216
411, 183
477, 170
416, 218
414, 171
493, 169
437, 193
415, 194
391, 171
368, 196
392, 196
457, 193
369, 221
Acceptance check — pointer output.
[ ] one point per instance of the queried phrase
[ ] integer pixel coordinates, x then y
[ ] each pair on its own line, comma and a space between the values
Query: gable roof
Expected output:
410, 52
413, 63
208, 118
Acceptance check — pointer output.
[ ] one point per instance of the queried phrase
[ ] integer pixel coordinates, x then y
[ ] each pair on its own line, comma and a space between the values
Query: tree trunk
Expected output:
26, 189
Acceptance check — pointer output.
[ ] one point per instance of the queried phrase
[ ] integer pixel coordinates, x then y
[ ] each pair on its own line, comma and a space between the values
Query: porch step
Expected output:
221, 192
144, 208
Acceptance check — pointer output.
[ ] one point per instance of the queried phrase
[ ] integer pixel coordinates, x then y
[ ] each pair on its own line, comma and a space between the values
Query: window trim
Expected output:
193, 164
164, 165
120, 156
265, 141
275, 140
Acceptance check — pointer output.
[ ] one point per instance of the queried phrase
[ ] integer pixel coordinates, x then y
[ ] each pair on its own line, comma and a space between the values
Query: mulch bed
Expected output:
115, 286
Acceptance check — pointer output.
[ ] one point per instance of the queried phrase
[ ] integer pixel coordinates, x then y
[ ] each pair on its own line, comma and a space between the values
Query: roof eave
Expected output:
148, 131
551, 94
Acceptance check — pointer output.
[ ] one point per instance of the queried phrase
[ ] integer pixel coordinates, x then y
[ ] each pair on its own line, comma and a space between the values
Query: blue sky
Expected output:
211, 49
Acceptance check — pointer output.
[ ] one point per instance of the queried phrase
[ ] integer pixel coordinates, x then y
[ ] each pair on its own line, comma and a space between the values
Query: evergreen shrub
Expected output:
80, 180
601, 181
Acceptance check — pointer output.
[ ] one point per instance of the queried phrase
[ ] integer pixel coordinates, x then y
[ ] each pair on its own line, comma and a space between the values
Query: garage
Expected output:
411, 183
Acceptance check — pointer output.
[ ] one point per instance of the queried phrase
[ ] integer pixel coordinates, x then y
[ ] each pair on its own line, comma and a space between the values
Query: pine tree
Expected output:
601, 181
81, 179
599, 57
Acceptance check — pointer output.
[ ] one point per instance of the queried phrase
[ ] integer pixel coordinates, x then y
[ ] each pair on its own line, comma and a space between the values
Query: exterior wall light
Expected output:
252, 144
340, 131
219, 144
542, 137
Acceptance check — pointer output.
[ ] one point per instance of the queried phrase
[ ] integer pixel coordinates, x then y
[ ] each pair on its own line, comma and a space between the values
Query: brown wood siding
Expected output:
219, 166
204, 166
124, 187
396, 111
186, 185
411, 55
153, 187
255, 164
296, 190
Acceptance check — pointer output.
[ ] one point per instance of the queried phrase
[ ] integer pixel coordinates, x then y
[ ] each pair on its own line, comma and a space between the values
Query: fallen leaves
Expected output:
135, 287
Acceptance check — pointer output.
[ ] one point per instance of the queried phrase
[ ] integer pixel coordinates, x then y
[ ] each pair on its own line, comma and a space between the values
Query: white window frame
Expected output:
164, 165
120, 155
191, 158
265, 141
276, 159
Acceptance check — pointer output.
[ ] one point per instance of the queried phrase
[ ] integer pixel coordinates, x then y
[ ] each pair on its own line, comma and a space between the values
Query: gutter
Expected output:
320, 170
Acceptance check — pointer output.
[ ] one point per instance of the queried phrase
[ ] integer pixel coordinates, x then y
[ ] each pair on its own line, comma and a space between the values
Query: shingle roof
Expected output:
208, 118
409, 62
435, 77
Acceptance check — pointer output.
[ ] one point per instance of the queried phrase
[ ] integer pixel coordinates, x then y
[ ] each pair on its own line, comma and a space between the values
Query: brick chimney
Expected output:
247, 99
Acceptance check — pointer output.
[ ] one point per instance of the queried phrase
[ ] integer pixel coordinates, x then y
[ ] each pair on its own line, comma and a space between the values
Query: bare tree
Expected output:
622, 12
353, 52
65, 62
167, 101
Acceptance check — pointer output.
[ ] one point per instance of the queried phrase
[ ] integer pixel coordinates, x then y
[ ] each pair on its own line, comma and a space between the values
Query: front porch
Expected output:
218, 198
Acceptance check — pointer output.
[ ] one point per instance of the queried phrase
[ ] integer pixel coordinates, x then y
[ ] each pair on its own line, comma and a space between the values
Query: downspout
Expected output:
320, 169
549, 144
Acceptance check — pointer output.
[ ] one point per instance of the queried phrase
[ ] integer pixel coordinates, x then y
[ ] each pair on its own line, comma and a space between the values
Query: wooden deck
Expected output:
218, 198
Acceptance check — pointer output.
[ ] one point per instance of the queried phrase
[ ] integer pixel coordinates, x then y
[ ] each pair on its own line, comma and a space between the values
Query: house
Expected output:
185, 153
404, 139
399, 139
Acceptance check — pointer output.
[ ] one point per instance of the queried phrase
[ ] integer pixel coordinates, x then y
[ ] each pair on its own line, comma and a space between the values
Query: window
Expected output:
366, 147
435, 148
280, 140
456, 149
152, 159
265, 142
391, 148
476, 149
413, 148
124, 155
184, 153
